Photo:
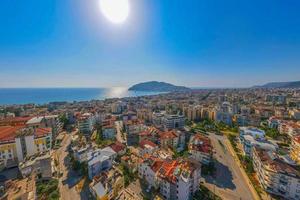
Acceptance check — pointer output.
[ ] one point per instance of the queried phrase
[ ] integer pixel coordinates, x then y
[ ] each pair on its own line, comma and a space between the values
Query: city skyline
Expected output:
191, 43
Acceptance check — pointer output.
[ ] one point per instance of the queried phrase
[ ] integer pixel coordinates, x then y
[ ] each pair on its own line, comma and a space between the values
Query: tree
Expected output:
99, 138
64, 120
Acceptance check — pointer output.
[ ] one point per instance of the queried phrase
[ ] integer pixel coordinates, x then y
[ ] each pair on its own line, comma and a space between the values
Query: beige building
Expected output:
295, 149
192, 113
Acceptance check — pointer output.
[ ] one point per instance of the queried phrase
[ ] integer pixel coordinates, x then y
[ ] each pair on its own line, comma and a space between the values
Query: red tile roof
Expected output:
8, 133
157, 165
117, 147
167, 170
297, 139
41, 132
143, 143
14, 121
168, 135
200, 143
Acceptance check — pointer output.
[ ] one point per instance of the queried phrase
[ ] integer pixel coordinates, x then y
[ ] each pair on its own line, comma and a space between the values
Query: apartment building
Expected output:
133, 128
200, 148
173, 122
275, 98
192, 112
80, 153
107, 185
144, 114
157, 119
179, 180
40, 165
100, 160
47, 121
117, 107
109, 131
295, 114
255, 132
86, 123
273, 122
15, 121
148, 168
252, 137
169, 139
18, 142
275, 176
175, 179
147, 147
290, 128
295, 149
249, 142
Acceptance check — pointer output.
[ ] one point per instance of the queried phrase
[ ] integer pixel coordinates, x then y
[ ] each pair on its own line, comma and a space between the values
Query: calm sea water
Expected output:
46, 95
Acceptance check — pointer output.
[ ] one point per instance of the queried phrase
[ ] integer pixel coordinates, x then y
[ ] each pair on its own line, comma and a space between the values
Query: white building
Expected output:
200, 148
173, 122
249, 142
147, 147
157, 119
179, 180
255, 132
148, 169
81, 153
276, 176
100, 160
16, 143
86, 123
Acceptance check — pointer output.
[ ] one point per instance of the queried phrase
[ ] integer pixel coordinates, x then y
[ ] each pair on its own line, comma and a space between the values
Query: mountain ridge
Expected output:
290, 84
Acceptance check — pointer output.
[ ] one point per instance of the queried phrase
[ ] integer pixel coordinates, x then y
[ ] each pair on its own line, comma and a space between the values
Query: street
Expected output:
68, 181
119, 136
228, 182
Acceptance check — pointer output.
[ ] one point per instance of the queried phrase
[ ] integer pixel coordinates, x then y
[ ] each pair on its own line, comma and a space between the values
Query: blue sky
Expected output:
206, 43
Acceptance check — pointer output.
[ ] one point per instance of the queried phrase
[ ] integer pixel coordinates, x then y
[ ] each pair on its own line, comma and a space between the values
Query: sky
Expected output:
196, 43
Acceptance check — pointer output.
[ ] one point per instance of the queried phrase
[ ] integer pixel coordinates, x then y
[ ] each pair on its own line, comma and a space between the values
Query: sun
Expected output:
116, 11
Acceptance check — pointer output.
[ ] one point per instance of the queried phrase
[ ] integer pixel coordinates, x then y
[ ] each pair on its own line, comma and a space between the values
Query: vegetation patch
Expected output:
47, 190
129, 176
205, 194
209, 169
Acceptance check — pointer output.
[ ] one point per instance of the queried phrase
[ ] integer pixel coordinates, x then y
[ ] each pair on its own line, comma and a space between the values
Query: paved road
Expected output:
228, 182
67, 190
119, 136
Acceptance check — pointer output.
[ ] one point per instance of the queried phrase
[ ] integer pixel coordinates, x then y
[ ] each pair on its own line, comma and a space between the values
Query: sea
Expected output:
11, 96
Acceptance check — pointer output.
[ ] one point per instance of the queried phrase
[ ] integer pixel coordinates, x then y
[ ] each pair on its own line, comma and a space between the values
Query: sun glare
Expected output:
116, 11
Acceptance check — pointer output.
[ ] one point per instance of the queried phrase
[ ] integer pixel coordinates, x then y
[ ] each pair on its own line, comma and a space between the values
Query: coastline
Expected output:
14, 96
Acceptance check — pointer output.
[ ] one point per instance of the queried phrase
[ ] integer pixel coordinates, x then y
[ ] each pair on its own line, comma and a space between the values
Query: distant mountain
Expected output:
293, 84
155, 86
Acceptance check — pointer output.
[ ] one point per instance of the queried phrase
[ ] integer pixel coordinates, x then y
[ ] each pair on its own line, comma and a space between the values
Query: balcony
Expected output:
282, 189
283, 180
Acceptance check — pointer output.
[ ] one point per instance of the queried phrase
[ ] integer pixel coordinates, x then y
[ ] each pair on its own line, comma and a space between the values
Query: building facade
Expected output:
276, 176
